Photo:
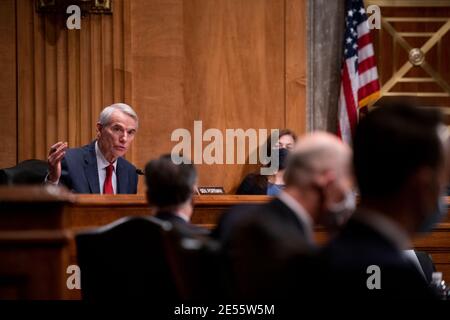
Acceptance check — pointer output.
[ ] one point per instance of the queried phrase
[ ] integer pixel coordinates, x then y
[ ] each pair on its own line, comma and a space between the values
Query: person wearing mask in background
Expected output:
318, 190
257, 184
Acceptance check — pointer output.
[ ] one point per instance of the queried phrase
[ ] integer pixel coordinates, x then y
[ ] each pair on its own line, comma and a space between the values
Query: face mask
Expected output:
283, 154
338, 213
437, 216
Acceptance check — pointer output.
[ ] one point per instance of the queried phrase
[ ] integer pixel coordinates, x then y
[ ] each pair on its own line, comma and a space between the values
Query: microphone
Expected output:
140, 172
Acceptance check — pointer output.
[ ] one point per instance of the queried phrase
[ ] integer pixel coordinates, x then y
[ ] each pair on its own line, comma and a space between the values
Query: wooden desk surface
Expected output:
38, 225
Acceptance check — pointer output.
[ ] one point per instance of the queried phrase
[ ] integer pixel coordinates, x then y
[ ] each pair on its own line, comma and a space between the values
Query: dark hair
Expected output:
169, 184
261, 180
391, 143
281, 132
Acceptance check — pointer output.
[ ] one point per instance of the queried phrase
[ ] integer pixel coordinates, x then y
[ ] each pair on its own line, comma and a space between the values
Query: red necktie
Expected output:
107, 186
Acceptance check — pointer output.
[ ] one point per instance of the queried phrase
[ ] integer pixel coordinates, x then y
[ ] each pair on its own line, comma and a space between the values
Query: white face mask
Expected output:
340, 212
346, 204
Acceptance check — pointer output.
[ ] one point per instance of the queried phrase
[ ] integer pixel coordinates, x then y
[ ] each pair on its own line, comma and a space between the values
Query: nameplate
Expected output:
211, 190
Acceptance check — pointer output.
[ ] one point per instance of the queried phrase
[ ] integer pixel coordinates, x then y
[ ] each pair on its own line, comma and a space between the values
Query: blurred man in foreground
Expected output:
318, 190
400, 160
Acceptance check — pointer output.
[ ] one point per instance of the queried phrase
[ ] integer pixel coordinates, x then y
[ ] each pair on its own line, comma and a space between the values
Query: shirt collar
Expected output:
302, 214
101, 161
183, 216
412, 257
385, 226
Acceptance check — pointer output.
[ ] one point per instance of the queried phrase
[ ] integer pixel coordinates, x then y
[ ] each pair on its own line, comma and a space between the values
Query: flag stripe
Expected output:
364, 41
359, 83
368, 76
349, 100
365, 53
363, 28
367, 64
368, 89
344, 130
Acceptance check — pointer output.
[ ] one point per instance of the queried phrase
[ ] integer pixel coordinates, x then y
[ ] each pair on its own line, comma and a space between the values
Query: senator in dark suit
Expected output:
80, 172
98, 167
400, 161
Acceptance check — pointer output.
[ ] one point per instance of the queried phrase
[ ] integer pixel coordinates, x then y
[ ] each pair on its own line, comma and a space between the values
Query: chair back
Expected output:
196, 264
31, 171
126, 260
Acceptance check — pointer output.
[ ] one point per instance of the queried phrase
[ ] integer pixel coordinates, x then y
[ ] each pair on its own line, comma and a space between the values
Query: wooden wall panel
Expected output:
8, 98
296, 57
157, 75
234, 74
66, 76
407, 25
222, 62
231, 64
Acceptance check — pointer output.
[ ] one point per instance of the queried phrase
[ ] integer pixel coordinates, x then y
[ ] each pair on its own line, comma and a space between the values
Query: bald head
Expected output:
316, 154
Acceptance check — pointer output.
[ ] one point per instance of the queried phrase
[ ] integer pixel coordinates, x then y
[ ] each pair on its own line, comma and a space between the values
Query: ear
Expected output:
99, 128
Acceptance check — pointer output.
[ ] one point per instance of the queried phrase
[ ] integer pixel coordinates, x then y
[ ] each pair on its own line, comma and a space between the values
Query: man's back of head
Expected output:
399, 166
169, 185
399, 162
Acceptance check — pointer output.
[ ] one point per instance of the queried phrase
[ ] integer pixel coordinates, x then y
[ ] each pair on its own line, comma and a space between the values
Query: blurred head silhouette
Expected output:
319, 176
400, 160
170, 186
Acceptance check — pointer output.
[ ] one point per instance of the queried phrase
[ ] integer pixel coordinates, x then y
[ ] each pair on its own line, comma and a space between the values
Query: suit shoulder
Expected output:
75, 153
127, 164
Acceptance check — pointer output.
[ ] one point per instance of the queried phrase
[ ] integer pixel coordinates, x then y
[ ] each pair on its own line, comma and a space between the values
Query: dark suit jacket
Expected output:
257, 241
253, 184
358, 246
182, 225
274, 217
80, 174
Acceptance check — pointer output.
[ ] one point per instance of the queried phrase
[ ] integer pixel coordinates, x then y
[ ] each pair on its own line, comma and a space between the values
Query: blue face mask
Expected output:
437, 216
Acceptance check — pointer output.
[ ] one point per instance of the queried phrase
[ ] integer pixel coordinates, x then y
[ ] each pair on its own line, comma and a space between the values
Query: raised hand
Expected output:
55, 155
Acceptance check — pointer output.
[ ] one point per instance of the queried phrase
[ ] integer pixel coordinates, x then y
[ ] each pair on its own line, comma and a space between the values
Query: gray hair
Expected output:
105, 115
315, 153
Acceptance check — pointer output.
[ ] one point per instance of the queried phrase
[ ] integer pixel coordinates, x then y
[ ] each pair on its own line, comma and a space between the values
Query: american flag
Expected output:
359, 76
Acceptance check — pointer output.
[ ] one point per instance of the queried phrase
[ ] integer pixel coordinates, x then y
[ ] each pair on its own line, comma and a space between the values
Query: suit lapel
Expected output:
122, 177
90, 169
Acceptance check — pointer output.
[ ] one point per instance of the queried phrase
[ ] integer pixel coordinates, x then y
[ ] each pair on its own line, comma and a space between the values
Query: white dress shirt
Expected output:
102, 163
411, 256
